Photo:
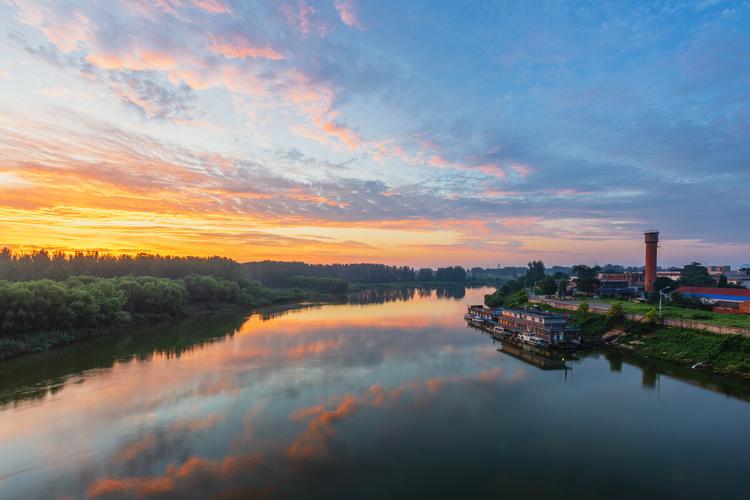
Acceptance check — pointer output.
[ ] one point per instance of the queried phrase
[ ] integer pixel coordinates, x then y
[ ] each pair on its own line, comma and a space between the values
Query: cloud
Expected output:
213, 6
629, 131
302, 17
348, 13
153, 100
238, 47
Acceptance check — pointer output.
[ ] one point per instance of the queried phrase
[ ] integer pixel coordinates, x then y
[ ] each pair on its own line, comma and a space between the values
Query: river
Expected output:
390, 394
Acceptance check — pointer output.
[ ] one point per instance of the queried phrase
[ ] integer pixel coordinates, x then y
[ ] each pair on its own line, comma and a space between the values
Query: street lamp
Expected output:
661, 294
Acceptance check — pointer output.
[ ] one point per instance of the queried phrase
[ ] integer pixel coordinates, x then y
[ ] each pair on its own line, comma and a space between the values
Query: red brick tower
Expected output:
652, 242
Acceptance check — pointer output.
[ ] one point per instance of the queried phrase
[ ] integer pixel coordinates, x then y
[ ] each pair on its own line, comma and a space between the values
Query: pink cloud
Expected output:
491, 169
138, 59
301, 18
521, 170
212, 6
341, 132
438, 161
64, 29
238, 47
348, 14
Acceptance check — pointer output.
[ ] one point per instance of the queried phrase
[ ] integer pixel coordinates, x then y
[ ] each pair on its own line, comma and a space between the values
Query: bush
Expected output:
615, 313
651, 317
583, 308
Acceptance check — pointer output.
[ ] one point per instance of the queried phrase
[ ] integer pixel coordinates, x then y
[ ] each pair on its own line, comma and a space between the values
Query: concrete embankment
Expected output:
602, 308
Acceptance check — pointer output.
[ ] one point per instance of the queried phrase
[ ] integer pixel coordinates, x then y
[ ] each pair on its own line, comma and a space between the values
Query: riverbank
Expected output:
691, 319
12, 346
711, 352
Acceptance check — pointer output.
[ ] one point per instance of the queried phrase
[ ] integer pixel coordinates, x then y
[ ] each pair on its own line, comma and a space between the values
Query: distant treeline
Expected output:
511, 272
285, 274
60, 266
86, 301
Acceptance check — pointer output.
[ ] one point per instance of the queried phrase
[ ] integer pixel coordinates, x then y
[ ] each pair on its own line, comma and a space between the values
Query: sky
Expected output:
423, 133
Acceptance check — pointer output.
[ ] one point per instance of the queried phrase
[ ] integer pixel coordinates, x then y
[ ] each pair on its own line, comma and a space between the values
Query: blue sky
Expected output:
423, 133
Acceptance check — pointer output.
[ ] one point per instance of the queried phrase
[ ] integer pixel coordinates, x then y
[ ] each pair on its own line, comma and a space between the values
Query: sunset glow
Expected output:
349, 131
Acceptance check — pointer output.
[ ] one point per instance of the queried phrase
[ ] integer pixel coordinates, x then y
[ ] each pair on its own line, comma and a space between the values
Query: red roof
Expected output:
737, 292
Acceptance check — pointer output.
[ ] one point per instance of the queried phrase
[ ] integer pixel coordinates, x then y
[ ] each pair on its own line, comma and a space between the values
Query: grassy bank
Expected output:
726, 354
721, 319
723, 354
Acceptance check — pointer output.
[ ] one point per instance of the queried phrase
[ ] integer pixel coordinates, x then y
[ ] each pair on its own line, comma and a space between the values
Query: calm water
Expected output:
390, 396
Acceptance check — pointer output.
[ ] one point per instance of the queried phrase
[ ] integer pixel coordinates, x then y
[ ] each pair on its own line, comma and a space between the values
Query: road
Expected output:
597, 306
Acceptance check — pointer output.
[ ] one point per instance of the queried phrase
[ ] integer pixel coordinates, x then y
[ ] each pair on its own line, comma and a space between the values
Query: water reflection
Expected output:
385, 295
387, 394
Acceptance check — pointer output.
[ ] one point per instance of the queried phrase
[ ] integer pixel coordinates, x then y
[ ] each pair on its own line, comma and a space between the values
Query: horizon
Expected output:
418, 134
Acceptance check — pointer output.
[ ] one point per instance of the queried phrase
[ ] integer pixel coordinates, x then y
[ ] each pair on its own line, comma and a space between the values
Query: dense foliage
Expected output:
587, 278
695, 274
283, 274
59, 266
545, 281
86, 301
452, 273
536, 272
510, 294
328, 285
286, 274
546, 286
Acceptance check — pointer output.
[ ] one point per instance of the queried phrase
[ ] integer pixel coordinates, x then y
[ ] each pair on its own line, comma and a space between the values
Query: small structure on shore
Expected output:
528, 325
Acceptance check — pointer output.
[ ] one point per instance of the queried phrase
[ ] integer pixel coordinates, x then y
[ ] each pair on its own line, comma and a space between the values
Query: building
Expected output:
550, 327
673, 275
718, 270
651, 238
627, 284
738, 278
735, 299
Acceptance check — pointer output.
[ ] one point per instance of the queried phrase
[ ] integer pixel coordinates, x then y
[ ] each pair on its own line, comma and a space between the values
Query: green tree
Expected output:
425, 274
562, 287
663, 282
694, 274
516, 299
535, 272
586, 280
547, 286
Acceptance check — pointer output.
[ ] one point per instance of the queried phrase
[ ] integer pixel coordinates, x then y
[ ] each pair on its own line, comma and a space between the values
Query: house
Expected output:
550, 327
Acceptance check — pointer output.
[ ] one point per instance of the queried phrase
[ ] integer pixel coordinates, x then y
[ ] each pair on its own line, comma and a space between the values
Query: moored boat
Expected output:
530, 339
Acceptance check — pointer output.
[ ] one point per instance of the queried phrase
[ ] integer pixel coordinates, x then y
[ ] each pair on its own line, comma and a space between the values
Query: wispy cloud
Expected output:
278, 116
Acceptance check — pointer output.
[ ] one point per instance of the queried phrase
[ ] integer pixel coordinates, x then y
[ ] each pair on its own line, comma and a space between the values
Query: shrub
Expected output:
651, 317
615, 313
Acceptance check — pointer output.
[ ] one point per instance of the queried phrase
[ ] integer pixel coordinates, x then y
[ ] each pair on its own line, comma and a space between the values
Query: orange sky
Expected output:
200, 128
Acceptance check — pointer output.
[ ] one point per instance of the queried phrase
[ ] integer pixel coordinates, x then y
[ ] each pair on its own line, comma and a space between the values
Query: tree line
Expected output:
87, 301
285, 274
41, 264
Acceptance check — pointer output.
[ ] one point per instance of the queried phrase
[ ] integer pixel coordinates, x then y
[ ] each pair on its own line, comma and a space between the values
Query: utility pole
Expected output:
661, 294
